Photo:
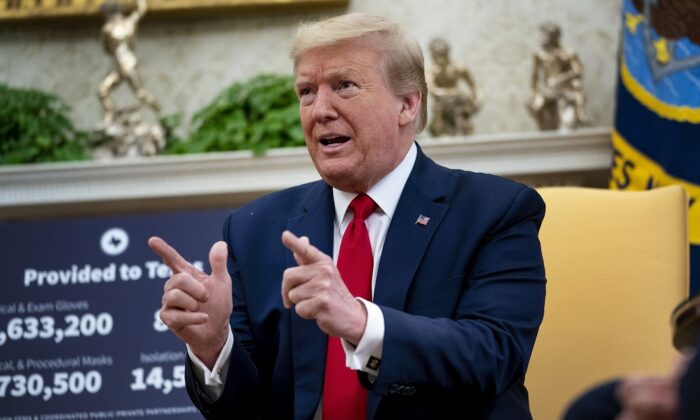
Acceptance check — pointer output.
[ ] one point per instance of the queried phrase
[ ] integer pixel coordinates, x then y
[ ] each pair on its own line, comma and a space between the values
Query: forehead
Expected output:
352, 56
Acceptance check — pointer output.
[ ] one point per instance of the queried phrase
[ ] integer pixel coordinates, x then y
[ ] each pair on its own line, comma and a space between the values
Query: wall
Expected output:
184, 63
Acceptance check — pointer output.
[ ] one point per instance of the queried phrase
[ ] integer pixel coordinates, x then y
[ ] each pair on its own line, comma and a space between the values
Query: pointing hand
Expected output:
197, 306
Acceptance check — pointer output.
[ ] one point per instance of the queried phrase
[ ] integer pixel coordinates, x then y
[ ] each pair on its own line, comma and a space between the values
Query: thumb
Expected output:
217, 259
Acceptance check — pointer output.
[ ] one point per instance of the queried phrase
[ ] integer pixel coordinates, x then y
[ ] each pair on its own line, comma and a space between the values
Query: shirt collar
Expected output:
385, 193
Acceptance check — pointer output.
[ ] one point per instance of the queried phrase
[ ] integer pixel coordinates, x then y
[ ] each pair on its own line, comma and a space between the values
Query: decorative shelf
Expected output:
231, 178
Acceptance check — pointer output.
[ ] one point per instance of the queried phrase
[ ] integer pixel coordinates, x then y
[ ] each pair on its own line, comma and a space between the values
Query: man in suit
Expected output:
454, 274
672, 396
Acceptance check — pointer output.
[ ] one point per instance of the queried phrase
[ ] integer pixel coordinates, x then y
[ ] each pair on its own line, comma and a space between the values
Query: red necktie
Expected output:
343, 396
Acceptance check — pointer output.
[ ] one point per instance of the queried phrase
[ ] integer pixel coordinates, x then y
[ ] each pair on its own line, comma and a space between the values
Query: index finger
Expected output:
304, 252
169, 255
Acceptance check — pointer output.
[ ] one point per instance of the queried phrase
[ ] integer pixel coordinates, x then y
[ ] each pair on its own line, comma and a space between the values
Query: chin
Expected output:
336, 170
343, 181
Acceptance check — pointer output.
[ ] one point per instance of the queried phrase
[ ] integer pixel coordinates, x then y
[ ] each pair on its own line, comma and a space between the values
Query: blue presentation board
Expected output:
80, 336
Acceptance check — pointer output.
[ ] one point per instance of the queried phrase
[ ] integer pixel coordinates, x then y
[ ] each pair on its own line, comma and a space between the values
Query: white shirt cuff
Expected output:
368, 353
217, 375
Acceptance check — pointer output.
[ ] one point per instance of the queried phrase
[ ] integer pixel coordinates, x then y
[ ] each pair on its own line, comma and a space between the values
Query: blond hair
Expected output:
401, 57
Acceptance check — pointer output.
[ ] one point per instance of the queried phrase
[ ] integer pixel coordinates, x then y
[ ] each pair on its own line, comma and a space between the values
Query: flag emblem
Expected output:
657, 118
422, 220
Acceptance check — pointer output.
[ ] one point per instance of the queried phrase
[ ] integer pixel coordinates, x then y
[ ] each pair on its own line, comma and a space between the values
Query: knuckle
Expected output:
173, 282
314, 312
327, 270
167, 300
292, 296
167, 318
168, 285
303, 311
323, 301
325, 284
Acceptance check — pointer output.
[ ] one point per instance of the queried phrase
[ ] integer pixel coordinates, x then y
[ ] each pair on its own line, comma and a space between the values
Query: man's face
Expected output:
350, 117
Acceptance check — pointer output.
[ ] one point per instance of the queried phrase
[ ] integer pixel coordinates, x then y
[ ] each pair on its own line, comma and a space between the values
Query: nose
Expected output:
323, 107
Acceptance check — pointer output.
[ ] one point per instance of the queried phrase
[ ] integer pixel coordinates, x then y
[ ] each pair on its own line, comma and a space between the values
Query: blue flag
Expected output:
656, 140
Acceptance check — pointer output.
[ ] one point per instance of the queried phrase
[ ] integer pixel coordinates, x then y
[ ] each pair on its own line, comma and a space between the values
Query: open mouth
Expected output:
334, 141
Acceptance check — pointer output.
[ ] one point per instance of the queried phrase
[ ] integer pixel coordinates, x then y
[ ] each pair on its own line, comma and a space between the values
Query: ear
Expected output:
410, 107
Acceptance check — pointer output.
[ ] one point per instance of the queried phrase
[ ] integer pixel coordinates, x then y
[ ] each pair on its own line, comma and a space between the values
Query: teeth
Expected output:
334, 140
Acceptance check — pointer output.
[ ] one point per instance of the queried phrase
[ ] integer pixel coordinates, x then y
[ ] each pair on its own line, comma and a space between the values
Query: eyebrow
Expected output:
335, 74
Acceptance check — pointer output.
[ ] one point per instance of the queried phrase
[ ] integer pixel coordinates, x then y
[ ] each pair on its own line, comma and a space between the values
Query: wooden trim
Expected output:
21, 10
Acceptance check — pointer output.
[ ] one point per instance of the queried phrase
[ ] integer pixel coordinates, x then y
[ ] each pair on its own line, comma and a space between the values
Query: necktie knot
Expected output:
362, 206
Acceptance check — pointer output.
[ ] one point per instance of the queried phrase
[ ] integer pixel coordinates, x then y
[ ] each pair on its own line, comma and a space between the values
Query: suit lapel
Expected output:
406, 239
308, 341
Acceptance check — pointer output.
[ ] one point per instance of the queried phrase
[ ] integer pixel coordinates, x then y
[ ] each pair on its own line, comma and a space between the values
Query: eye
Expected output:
303, 91
346, 84
347, 89
305, 95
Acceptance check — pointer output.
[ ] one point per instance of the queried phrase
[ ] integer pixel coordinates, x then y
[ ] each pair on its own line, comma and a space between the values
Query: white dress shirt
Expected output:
386, 194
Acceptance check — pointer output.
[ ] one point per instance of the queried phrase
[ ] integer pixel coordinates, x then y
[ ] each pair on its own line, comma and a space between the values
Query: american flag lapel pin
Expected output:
422, 220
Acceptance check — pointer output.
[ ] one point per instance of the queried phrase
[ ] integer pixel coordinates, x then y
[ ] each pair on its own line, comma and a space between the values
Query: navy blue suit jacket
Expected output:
462, 299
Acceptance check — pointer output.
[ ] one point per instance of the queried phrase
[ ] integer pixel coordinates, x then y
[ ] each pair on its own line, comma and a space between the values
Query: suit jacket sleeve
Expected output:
485, 341
241, 393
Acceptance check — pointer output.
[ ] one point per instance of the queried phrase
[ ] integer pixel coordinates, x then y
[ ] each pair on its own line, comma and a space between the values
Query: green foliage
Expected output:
258, 114
35, 127
170, 123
